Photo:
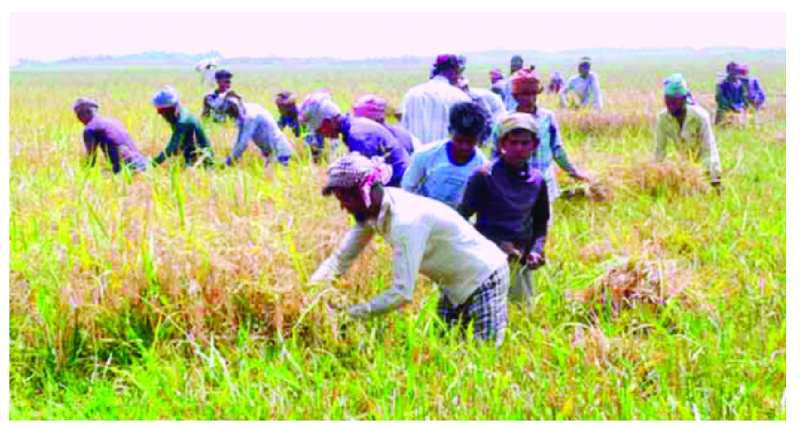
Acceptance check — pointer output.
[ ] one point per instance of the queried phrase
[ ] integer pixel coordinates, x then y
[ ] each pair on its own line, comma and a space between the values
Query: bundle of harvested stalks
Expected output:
683, 178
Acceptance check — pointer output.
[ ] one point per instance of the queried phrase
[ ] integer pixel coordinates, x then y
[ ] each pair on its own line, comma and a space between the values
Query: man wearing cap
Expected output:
688, 125
526, 88
286, 102
585, 84
373, 107
358, 133
441, 170
730, 93
485, 98
427, 237
256, 123
188, 135
511, 201
214, 103
110, 135
426, 107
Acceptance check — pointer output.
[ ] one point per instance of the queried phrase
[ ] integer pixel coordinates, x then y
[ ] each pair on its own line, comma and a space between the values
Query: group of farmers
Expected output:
419, 184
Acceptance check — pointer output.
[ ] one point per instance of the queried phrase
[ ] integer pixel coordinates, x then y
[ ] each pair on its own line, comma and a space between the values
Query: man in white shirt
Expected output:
426, 107
585, 85
256, 124
428, 237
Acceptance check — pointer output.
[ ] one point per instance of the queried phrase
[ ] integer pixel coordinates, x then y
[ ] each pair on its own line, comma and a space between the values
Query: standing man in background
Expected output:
214, 103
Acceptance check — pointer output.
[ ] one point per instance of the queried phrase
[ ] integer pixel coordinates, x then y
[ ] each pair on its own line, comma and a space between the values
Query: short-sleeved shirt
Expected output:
371, 139
114, 140
189, 137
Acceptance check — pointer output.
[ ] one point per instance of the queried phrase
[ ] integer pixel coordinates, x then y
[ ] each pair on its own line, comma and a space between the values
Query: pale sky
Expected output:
51, 36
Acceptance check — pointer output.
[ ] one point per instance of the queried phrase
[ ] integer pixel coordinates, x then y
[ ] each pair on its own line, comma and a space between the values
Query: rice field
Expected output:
184, 294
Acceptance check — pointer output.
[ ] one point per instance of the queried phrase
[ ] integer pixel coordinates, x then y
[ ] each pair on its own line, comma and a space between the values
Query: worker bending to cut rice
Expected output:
188, 134
373, 107
108, 134
256, 124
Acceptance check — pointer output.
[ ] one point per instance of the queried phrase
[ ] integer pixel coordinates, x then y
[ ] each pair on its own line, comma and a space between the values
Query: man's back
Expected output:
426, 109
372, 139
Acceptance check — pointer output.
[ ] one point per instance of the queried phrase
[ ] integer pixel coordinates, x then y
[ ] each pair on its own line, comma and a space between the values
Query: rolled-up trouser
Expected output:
520, 287
486, 308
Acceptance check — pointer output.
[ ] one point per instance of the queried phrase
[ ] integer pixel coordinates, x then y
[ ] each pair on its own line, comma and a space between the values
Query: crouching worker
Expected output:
110, 135
256, 124
511, 200
426, 237
188, 135
287, 106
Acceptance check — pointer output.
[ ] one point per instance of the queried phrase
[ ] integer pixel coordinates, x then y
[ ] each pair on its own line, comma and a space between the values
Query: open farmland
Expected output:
184, 294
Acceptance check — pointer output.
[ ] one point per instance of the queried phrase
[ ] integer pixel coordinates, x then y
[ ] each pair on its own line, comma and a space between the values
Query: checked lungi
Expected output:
486, 308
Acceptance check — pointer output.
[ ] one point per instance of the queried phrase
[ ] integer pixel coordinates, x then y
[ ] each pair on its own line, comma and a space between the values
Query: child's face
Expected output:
516, 147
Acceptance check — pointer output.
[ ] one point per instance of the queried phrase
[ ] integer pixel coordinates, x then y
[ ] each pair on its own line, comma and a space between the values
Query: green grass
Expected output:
182, 294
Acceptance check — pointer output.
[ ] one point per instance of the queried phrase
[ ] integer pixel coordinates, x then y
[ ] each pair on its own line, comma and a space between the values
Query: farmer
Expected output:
187, 132
441, 170
485, 98
314, 140
110, 135
287, 105
526, 88
556, 83
374, 107
511, 200
688, 125
214, 103
427, 237
359, 134
256, 123
753, 92
730, 94
585, 84
426, 107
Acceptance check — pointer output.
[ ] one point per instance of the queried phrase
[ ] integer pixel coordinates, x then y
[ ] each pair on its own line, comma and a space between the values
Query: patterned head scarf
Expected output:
82, 103
526, 81
166, 97
355, 170
676, 86
370, 106
317, 107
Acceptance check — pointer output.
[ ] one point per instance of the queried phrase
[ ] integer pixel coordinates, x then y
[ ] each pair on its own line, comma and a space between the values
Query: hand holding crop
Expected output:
534, 261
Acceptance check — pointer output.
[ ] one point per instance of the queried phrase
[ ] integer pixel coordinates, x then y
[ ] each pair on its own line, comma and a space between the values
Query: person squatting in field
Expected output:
286, 102
737, 91
441, 170
374, 107
688, 125
427, 237
214, 103
585, 84
426, 107
359, 134
511, 202
110, 135
256, 124
314, 140
188, 135
526, 88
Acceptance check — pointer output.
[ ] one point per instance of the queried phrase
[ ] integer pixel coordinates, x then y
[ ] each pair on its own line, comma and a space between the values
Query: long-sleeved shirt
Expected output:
434, 174
405, 138
550, 147
189, 137
116, 143
696, 135
370, 138
426, 109
586, 88
214, 105
257, 124
730, 95
512, 205
426, 237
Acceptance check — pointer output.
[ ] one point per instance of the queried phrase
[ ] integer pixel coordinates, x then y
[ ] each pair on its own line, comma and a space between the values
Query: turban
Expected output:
355, 170
371, 107
526, 81
317, 107
81, 103
223, 74
165, 97
514, 121
676, 86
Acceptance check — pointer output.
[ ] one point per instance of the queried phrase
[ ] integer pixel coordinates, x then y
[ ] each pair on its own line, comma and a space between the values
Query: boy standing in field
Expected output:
688, 125
110, 135
287, 105
214, 103
585, 84
441, 170
510, 198
427, 237
359, 134
187, 132
526, 88
374, 108
256, 123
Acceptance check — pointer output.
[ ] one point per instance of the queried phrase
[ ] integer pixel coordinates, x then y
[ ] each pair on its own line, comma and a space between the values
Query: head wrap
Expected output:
514, 121
731, 67
446, 62
496, 74
317, 107
84, 103
355, 170
585, 60
526, 81
676, 86
285, 98
165, 97
370, 106
223, 74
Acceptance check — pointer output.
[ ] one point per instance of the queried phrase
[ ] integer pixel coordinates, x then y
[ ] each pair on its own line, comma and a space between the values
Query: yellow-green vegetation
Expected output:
184, 294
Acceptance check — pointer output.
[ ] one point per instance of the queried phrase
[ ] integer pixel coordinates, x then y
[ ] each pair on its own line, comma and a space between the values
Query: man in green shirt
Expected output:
188, 135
